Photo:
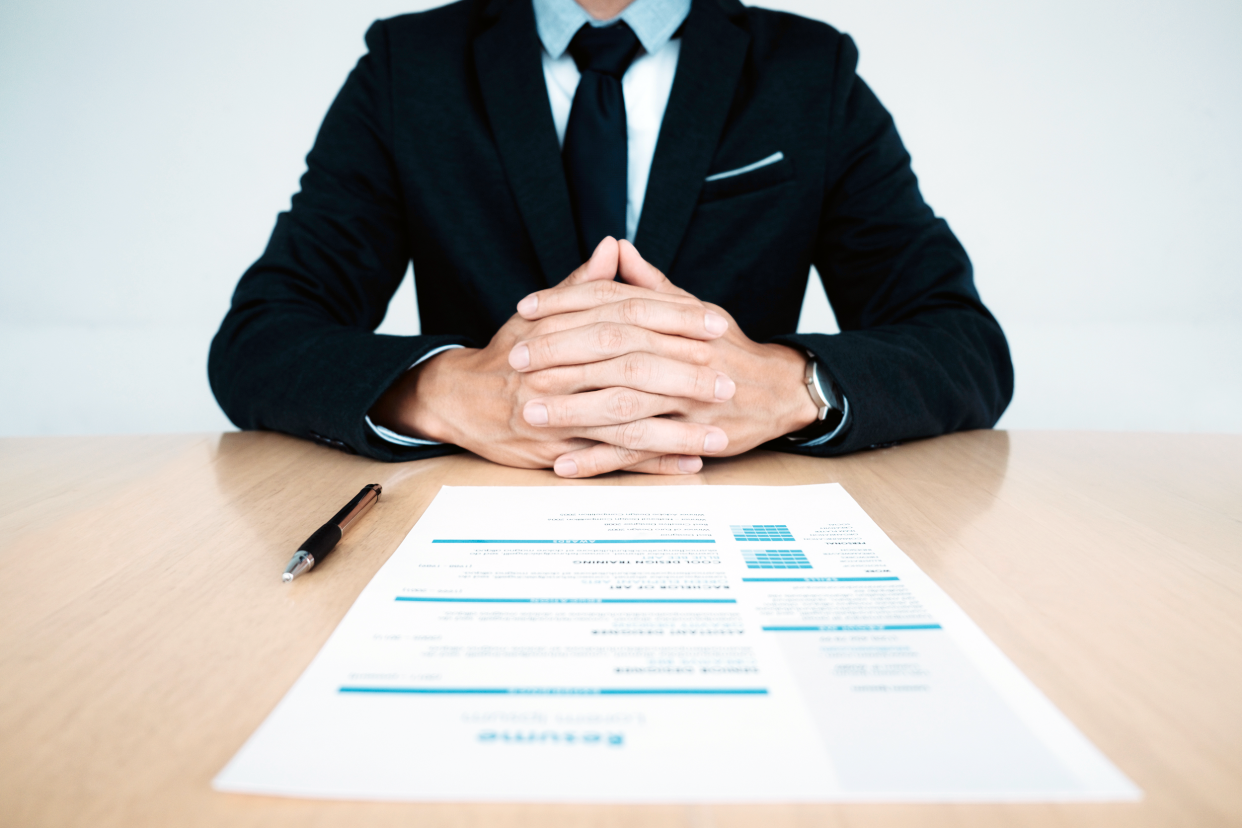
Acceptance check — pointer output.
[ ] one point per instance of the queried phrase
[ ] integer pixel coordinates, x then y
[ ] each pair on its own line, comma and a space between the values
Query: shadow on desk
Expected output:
281, 488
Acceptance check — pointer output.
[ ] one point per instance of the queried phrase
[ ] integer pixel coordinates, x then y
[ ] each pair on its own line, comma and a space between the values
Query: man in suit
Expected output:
647, 183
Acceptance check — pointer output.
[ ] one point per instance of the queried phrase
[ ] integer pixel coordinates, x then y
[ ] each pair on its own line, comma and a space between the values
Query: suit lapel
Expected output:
507, 58
713, 51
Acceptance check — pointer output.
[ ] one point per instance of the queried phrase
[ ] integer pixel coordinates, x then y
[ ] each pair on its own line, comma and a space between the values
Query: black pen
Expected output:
318, 545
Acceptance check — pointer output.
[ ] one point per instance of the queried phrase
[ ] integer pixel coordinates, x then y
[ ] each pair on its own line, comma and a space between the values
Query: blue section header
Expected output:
853, 627
816, 580
609, 540
568, 600
563, 691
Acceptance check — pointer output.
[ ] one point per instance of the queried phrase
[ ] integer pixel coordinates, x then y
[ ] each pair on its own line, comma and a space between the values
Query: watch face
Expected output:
824, 385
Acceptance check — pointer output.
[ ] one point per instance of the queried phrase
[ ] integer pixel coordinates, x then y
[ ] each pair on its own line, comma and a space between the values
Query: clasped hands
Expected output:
596, 375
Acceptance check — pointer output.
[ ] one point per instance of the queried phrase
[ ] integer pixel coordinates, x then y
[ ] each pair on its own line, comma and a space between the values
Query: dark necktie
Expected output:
595, 150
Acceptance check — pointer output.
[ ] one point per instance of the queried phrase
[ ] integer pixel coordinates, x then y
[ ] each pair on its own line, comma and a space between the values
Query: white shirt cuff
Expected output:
391, 436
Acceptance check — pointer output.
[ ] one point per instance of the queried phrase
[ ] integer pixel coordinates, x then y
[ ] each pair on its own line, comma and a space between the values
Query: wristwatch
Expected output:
828, 401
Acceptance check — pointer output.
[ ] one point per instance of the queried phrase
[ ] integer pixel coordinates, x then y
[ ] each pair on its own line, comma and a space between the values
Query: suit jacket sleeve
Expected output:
297, 350
918, 353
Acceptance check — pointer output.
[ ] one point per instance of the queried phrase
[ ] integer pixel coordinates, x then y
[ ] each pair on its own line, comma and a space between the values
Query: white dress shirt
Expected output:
645, 85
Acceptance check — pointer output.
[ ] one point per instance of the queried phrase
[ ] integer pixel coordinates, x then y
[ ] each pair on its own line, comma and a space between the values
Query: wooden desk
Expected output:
145, 633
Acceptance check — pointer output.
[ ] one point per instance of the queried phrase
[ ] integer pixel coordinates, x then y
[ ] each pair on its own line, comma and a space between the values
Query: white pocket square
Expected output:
771, 159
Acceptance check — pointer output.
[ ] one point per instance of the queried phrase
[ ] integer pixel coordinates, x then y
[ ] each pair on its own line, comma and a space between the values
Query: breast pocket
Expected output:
766, 172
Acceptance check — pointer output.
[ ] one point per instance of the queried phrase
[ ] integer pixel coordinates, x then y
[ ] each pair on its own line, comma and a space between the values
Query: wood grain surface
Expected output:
145, 632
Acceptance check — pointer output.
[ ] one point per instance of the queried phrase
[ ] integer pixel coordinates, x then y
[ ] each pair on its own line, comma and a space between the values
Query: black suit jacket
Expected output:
441, 148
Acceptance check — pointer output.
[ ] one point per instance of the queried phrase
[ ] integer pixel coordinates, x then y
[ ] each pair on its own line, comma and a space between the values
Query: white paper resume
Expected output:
662, 644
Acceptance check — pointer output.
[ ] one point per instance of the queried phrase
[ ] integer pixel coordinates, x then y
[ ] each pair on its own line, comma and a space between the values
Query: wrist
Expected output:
420, 403
792, 406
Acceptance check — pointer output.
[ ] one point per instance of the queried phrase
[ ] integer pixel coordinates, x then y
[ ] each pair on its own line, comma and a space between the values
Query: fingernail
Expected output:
565, 467
725, 387
536, 413
715, 441
714, 322
689, 464
519, 357
528, 305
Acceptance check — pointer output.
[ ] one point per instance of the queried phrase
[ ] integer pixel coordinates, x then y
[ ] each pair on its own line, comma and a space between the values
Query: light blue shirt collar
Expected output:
654, 21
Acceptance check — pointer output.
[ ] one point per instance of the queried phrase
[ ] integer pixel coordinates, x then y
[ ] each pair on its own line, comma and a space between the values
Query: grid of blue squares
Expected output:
762, 533
775, 559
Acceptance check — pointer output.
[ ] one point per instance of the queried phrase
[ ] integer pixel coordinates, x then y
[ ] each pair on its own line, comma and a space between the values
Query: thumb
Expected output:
635, 270
601, 267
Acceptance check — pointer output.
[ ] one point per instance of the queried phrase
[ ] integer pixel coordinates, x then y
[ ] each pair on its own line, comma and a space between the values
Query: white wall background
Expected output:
1087, 153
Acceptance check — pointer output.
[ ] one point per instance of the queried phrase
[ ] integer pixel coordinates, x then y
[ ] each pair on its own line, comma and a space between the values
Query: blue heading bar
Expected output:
563, 691
568, 600
815, 580
609, 540
854, 627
